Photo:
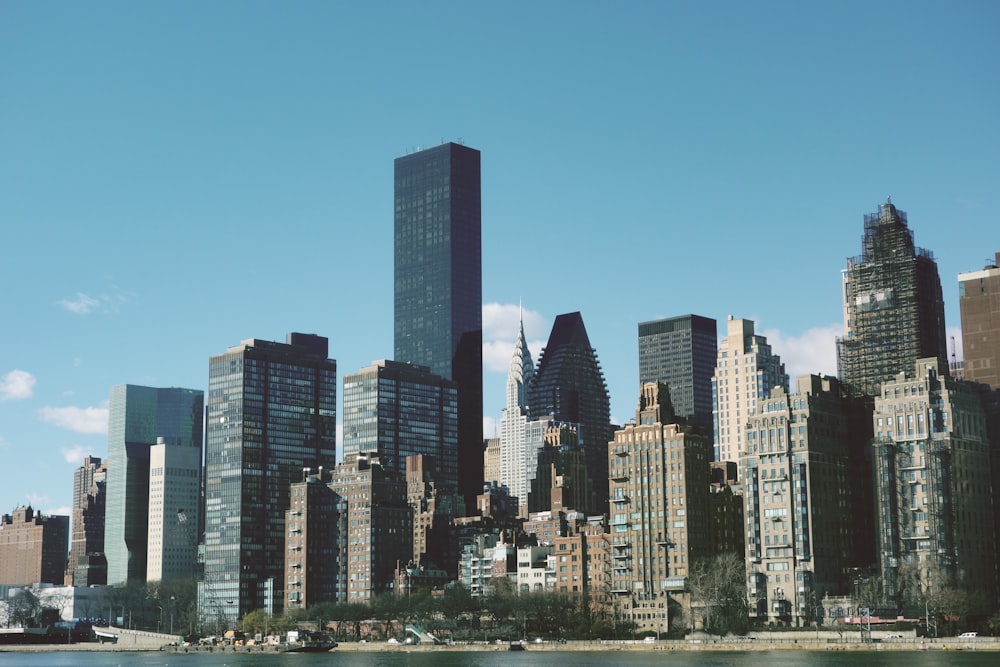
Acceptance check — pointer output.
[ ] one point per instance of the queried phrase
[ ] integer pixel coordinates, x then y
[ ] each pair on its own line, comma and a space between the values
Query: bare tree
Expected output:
718, 587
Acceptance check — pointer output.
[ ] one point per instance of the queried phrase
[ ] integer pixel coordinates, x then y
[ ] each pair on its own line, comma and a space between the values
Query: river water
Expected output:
452, 658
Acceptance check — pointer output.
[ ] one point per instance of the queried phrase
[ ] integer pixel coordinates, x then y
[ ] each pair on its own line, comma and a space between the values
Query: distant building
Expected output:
681, 352
569, 387
393, 410
562, 475
32, 547
745, 373
438, 304
88, 565
174, 511
979, 301
659, 521
799, 510
434, 541
271, 411
347, 532
138, 416
893, 305
933, 494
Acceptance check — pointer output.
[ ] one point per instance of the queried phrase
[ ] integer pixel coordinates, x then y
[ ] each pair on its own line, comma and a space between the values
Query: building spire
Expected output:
520, 372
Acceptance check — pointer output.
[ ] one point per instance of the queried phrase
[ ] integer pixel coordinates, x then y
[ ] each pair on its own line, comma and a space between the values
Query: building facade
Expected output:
174, 511
87, 563
272, 411
138, 416
32, 547
569, 387
893, 305
660, 521
933, 494
394, 410
798, 506
979, 302
438, 304
681, 352
745, 372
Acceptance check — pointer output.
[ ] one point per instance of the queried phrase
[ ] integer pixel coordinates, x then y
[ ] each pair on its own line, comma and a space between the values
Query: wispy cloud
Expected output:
17, 385
500, 329
74, 454
82, 304
814, 351
37, 499
81, 420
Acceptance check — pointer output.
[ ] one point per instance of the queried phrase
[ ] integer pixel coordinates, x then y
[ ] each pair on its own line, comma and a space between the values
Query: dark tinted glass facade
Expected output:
271, 412
137, 417
396, 410
438, 284
569, 385
681, 352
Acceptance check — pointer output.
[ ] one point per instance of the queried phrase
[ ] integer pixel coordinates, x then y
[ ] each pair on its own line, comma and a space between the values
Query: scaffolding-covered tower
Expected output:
893, 305
933, 496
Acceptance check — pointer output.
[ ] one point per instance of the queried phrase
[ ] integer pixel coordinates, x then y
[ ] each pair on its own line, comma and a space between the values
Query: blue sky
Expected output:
178, 176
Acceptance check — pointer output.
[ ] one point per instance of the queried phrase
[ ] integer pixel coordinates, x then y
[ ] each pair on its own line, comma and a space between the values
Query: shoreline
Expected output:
684, 645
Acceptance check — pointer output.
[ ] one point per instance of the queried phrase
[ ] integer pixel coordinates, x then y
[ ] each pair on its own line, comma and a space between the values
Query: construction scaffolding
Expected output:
893, 305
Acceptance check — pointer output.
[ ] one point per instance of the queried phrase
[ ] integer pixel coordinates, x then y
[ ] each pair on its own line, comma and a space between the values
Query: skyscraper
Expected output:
138, 417
681, 352
272, 411
438, 311
87, 563
979, 301
174, 511
393, 410
660, 523
569, 386
746, 371
893, 306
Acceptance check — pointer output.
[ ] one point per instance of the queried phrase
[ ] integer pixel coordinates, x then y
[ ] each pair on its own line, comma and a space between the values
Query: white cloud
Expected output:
37, 500
74, 454
3, 443
81, 420
491, 427
17, 385
500, 329
812, 352
81, 305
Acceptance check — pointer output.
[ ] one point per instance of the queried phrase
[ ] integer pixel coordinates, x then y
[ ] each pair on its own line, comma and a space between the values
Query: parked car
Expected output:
968, 635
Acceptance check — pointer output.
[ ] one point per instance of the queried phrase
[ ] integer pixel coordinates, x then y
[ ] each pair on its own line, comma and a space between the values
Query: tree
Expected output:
718, 586
24, 610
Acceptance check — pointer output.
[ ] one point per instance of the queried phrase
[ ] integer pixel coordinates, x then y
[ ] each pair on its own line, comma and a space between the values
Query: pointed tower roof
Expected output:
520, 373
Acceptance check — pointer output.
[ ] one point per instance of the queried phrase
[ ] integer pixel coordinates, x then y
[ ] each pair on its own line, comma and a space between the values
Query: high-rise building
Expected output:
138, 416
745, 373
271, 411
569, 386
799, 511
32, 547
893, 306
979, 301
87, 563
681, 352
174, 511
659, 521
393, 410
438, 302
347, 531
933, 493
522, 438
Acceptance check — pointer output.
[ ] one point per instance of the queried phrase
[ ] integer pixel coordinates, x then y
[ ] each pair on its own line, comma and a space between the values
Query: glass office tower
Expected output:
271, 412
438, 309
137, 417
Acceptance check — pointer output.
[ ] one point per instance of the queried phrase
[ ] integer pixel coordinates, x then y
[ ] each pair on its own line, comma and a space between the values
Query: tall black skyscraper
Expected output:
569, 385
893, 306
681, 352
439, 285
271, 411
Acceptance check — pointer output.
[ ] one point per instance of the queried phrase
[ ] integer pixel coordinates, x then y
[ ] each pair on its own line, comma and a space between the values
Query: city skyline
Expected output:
169, 204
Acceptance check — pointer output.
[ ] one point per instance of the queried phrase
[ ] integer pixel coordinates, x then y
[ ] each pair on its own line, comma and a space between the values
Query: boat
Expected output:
308, 642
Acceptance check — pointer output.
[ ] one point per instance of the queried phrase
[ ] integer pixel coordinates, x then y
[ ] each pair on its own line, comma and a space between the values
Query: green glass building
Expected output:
137, 417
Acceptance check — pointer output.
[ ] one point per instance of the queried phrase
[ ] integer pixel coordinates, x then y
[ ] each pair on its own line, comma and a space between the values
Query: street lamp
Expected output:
173, 608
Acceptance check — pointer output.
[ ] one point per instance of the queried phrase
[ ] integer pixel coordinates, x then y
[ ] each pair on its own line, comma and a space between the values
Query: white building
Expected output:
174, 489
